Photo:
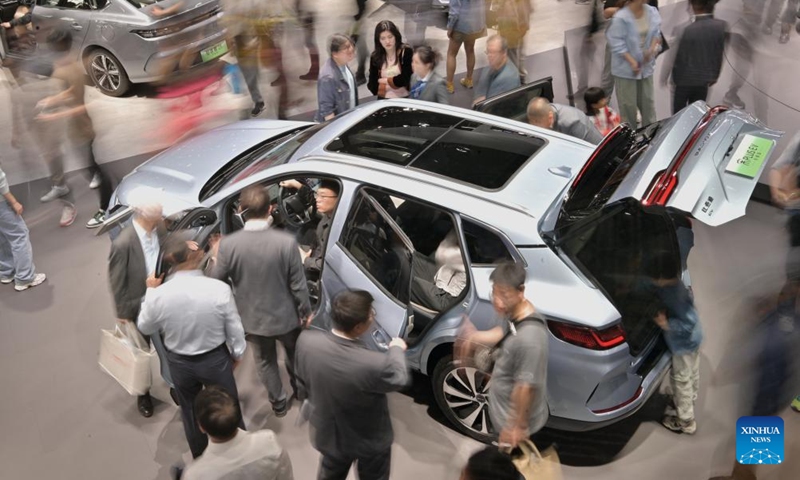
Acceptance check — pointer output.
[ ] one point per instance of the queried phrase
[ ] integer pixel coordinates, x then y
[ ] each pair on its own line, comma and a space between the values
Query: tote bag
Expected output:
125, 356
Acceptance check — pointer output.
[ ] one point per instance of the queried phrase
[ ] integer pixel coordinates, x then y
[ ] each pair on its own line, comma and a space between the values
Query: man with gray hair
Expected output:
337, 91
133, 258
501, 76
562, 119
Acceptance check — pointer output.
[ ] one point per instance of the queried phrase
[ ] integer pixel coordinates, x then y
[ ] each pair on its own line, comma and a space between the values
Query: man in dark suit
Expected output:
264, 267
346, 386
697, 60
134, 254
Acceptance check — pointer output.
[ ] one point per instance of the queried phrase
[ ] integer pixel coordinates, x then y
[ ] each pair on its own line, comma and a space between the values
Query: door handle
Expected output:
380, 340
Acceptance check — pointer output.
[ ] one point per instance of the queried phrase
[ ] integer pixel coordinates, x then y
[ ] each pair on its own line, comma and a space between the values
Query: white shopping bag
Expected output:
126, 357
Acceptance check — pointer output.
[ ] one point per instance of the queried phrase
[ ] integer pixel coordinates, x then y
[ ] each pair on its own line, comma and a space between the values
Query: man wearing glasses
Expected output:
501, 76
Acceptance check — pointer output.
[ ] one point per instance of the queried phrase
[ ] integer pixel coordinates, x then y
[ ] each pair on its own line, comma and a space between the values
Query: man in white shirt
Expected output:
202, 331
234, 454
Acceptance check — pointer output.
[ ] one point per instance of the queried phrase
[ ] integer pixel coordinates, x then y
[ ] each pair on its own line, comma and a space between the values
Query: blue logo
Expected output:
759, 440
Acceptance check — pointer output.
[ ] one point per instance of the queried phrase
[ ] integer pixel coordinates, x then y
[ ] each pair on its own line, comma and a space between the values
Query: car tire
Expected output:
466, 410
107, 73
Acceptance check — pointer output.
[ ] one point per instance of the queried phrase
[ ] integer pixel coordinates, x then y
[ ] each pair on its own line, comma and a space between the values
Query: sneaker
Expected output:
38, 279
281, 408
466, 82
96, 220
796, 404
732, 100
96, 181
257, 109
450, 88
679, 426
57, 191
68, 214
766, 30
6, 281
785, 30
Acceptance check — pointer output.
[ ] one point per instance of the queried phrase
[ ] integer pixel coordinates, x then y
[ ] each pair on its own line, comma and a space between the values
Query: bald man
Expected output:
563, 119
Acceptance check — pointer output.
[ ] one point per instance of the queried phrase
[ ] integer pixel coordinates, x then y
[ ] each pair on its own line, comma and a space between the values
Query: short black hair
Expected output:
331, 185
509, 274
217, 412
491, 464
706, 6
176, 249
592, 96
255, 199
350, 309
338, 42
427, 55
60, 40
662, 265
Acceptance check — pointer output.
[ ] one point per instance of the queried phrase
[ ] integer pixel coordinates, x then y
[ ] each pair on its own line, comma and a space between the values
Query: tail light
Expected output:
665, 182
158, 32
588, 337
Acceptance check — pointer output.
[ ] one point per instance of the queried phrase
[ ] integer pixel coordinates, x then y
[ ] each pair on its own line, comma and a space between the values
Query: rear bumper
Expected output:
154, 66
649, 386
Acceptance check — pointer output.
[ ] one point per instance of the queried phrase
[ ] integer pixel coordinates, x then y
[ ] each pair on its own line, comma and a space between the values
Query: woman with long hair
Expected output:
466, 22
425, 83
390, 63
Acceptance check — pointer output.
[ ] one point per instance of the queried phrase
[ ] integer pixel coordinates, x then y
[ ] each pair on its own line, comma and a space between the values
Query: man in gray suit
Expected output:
563, 119
346, 386
134, 255
264, 267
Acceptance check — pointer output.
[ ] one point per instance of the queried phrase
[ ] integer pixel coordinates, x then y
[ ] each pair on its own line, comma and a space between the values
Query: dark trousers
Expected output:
265, 352
190, 374
686, 95
423, 290
85, 151
373, 467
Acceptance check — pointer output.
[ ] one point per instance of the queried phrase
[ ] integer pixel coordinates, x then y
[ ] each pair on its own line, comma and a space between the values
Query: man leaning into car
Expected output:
518, 397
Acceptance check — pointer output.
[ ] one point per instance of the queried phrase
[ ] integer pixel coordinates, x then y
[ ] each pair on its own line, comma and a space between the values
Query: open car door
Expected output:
514, 103
375, 256
703, 163
201, 221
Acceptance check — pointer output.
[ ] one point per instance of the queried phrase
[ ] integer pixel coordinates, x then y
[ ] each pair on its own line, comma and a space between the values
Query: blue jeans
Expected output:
16, 254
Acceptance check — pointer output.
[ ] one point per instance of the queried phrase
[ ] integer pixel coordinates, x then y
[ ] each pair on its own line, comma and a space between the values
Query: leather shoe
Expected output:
145, 404
174, 395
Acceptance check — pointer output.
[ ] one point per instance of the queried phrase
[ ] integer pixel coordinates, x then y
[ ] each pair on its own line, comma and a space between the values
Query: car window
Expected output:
479, 154
484, 246
73, 4
378, 246
395, 135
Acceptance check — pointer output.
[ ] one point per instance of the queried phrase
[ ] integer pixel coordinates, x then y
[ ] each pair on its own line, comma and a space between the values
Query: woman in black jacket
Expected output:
390, 63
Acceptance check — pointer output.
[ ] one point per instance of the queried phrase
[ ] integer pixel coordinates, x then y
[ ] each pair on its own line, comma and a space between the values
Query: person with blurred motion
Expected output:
563, 119
305, 17
695, 64
490, 463
263, 265
501, 75
345, 385
336, 88
202, 330
678, 319
785, 191
519, 348
133, 258
787, 17
425, 83
70, 105
359, 38
390, 64
634, 38
512, 19
233, 453
466, 23
19, 35
16, 254
604, 117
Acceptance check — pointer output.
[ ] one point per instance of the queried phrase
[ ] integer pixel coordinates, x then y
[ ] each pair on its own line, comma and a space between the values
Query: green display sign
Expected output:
216, 51
750, 155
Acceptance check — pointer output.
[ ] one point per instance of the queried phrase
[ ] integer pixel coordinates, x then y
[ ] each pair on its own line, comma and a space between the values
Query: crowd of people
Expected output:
251, 291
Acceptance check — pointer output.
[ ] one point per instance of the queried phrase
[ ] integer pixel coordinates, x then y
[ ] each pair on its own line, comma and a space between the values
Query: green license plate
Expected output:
215, 51
749, 156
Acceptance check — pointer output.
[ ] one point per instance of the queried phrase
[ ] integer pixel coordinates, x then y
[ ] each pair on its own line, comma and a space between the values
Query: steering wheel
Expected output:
292, 208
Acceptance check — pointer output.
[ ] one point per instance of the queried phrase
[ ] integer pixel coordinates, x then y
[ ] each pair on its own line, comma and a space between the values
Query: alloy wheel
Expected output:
105, 72
466, 392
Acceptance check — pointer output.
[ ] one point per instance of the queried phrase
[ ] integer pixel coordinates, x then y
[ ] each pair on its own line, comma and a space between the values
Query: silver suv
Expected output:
582, 220
121, 42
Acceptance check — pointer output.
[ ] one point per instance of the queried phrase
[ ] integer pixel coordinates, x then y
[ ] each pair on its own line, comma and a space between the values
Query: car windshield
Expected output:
275, 151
